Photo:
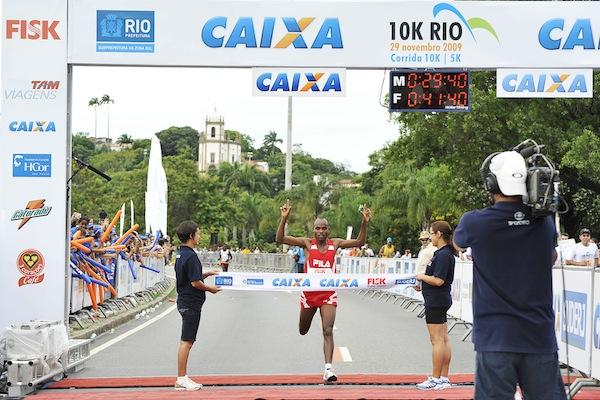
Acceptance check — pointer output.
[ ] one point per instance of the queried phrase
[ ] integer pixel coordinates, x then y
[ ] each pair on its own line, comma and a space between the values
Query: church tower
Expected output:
214, 146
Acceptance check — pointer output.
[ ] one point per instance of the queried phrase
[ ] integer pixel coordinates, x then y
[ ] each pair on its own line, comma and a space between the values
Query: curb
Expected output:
107, 324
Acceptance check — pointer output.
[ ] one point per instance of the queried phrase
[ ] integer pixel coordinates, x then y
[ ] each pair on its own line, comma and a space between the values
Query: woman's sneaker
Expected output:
329, 376
443, 383
185, 383
428, 384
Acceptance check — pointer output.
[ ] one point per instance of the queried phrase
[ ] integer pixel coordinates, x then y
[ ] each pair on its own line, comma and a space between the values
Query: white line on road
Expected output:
131, 332
345, 353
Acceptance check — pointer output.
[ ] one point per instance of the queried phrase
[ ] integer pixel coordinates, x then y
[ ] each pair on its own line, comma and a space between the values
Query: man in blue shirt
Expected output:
190, 298
513, 319
299, 257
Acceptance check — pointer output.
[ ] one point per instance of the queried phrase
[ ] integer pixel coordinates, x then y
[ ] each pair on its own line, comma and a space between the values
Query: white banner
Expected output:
299, 82
33, 155
573, 328
595, 322
417, 34
548, 83
310, 282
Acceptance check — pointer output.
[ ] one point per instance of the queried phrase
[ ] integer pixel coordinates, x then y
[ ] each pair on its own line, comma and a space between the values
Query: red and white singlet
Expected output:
319, 263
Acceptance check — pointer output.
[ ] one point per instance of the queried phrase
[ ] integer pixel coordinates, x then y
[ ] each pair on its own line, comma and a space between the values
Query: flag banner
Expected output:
310, 282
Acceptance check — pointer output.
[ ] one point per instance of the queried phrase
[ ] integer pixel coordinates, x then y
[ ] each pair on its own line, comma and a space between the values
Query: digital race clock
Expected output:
412, 90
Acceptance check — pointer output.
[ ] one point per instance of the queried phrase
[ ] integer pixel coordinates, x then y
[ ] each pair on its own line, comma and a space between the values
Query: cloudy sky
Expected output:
147, 100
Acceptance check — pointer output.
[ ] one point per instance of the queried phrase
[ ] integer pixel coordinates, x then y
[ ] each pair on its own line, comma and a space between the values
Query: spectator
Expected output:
367, 251
584, 253
407, 255
436, 283
225, 257
83, 225
387, 250
426, 253
256, 250
299, 258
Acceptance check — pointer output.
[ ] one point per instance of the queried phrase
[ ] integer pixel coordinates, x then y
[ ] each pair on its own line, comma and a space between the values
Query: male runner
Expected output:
321, 259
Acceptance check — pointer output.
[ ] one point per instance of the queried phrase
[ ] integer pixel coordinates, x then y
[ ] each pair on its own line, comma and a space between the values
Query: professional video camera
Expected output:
543, 179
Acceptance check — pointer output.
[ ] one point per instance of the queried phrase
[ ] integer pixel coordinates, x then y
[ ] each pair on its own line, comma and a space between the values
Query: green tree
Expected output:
83, 148
270, 142
179, 140
125, 139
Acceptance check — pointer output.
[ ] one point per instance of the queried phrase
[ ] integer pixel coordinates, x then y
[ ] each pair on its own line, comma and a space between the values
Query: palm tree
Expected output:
270, 141
124, 139
94, 102
106, 99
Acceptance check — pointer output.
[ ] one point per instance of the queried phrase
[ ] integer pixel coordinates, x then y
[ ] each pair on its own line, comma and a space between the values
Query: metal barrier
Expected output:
262, 262
125, 284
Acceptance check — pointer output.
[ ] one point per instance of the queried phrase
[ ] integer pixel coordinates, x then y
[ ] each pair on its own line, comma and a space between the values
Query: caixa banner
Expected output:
321, 82
548, 83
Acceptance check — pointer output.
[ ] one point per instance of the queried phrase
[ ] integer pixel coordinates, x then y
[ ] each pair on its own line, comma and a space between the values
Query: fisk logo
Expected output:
34, 29
554, 35
32, 165
545, 83
299, 82
33, 209
299, 33
32, 126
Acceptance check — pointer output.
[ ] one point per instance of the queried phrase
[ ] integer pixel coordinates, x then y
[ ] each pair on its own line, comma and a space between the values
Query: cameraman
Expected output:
513, 319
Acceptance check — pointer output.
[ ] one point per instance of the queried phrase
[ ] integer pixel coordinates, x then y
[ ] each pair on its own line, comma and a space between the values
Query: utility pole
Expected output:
288, 154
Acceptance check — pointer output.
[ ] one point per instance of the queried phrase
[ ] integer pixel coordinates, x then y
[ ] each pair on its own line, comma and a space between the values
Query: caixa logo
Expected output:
32, 126
596, 327
32, 165
545, 83
271, 32
556, 34
299, 82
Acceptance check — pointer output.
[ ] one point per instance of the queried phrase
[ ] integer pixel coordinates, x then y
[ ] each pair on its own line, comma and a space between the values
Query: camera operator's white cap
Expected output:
511, 173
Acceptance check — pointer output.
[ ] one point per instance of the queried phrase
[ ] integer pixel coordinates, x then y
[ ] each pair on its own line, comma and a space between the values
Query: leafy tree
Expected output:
124, 139
106, 99
270, 142
83, 147
177, 140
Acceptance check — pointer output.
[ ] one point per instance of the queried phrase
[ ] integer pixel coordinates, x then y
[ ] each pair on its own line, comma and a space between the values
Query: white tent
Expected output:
156, 191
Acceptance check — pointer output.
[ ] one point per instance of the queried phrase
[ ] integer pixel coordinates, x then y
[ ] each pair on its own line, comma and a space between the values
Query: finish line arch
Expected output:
43, 39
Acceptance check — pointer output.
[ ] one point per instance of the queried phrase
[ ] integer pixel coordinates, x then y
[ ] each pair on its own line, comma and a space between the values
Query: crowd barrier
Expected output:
577, 307
261, 262
125, 284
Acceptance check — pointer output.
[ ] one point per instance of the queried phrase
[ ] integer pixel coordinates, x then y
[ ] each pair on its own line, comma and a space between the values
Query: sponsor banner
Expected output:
310, 282
382, 34
551, 83
33, 160
124, 31
573, 315
32, 165
312, 82
595, 323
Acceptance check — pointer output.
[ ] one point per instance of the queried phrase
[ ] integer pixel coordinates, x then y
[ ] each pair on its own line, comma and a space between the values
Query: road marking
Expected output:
341, 354
131, 332
345, 353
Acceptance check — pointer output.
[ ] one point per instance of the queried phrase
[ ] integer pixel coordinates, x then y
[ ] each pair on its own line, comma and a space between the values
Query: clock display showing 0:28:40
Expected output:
437, 90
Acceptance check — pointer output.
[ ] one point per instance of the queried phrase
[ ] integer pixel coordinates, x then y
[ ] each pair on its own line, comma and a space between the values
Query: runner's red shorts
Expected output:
317, 299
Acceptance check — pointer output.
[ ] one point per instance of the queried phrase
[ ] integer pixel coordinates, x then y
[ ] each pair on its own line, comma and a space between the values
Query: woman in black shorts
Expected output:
437, 281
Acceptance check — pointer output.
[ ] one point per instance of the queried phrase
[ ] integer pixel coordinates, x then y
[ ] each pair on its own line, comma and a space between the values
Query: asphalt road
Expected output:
257, 333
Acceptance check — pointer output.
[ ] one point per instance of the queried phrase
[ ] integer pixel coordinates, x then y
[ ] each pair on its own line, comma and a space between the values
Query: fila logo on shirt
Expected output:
320, 264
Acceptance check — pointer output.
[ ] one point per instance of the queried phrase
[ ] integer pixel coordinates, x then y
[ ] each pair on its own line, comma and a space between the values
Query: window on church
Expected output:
213, 132
212, 158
